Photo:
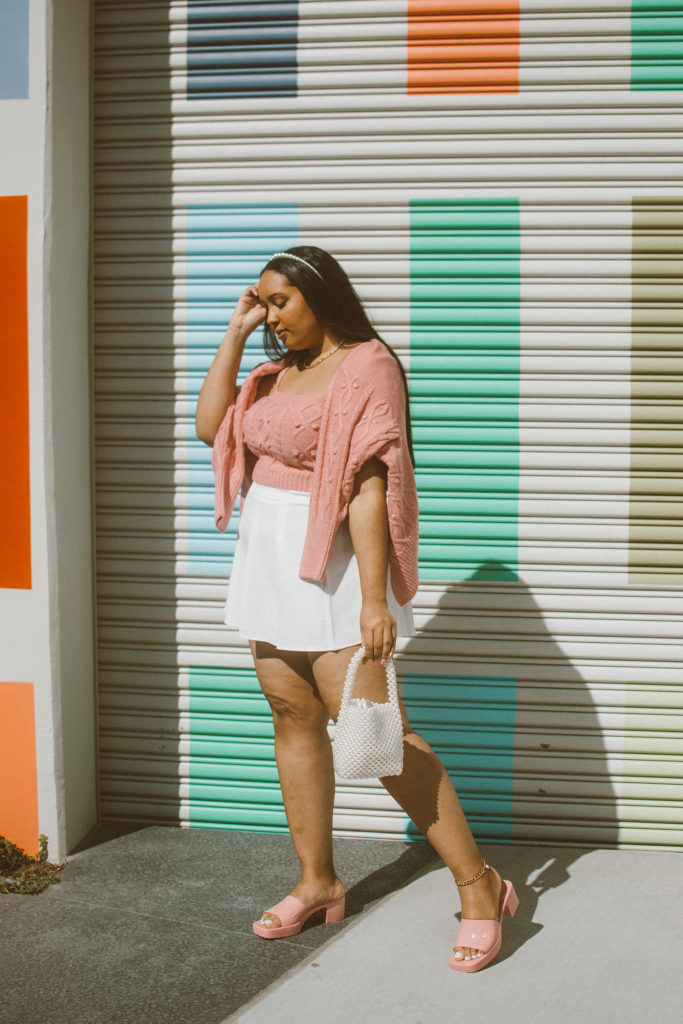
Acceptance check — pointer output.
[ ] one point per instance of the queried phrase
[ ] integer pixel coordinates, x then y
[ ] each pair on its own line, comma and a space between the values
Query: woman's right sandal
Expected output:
293, 914
484, 935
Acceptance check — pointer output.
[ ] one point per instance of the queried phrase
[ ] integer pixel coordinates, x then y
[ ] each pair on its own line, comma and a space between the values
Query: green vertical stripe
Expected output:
656, 44
464, 384
233, 775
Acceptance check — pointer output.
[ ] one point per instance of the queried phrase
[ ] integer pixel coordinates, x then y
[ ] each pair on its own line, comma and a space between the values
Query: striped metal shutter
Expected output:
502, 183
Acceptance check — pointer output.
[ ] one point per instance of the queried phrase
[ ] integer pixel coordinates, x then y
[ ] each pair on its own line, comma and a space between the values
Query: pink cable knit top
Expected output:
362, 414
282, 430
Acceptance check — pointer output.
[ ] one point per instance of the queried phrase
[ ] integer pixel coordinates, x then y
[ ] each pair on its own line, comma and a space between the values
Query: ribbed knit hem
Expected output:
277, 474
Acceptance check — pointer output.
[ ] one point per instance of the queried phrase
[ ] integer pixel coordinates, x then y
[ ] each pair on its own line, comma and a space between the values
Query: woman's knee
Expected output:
303, 715
287, 684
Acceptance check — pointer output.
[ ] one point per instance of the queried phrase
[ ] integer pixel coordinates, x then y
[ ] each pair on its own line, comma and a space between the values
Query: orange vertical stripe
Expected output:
18, 774
463, 46
15, 498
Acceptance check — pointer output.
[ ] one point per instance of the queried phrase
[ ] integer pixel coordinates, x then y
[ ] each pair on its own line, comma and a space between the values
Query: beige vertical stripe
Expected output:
656, 492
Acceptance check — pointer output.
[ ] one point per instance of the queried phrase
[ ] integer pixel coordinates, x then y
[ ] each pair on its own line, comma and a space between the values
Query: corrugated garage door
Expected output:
502, 182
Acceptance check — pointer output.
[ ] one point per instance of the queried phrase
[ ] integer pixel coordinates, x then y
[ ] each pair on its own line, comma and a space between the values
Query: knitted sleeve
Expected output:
227, 460
379, 423
231, 470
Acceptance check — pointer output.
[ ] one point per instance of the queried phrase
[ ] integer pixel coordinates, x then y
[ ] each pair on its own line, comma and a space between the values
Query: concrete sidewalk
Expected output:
153, 926
601, 942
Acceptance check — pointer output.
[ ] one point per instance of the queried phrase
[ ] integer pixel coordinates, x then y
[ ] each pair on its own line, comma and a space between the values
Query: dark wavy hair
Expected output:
333, 300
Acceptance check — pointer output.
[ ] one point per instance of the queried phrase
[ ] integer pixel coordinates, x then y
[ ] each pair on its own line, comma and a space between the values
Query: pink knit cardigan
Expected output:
363, 416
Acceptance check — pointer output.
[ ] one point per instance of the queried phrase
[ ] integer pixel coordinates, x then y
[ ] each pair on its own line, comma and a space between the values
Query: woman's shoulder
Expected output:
372, 362
252, 384
373, 351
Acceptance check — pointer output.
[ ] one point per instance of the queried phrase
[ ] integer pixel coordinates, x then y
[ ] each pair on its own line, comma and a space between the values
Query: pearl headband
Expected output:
299, 259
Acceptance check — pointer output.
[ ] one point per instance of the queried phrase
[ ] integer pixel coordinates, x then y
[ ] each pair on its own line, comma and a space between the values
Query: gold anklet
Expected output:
474, 878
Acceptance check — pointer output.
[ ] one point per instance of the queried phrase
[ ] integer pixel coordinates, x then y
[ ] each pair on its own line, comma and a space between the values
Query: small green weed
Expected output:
21, 873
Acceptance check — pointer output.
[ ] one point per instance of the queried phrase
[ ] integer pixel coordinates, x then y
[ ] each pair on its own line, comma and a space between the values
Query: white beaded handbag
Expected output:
368, 739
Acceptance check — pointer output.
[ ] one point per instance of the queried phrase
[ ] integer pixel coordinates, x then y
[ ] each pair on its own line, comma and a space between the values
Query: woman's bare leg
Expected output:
304, 762
424, 789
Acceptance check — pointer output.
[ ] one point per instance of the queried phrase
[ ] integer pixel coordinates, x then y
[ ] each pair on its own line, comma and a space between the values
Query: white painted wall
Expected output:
68, 476
46, 633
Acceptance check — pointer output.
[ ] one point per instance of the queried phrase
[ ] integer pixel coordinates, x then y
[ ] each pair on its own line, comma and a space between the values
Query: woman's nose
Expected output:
271, 316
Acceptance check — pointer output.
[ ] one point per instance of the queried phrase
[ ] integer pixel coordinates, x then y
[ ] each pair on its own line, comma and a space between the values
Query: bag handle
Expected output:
390, 670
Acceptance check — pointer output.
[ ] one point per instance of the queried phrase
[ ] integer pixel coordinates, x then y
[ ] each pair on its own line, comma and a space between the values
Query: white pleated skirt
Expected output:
266, 598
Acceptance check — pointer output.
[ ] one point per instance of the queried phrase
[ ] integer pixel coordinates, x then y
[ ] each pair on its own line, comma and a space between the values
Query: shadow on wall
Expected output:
136, 404
512, 720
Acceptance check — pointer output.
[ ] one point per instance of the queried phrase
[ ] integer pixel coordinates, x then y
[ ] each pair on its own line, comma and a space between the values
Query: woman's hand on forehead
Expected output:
250, 311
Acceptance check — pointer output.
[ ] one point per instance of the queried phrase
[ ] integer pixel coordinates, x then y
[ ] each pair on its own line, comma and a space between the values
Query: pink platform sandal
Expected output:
484, 935
293, 915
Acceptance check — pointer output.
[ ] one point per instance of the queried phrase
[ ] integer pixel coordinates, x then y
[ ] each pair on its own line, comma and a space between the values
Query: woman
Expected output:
318, 440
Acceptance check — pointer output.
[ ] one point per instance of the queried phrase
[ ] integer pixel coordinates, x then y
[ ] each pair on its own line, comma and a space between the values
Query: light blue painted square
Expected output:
13, 49
226, 246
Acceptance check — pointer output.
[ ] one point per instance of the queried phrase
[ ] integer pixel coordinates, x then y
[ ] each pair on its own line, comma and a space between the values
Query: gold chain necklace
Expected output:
319, 359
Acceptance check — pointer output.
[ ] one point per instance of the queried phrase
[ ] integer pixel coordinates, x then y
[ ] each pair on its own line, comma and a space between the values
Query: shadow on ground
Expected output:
153, 924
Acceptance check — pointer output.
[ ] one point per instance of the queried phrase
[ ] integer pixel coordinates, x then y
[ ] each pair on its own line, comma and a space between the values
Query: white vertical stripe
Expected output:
575, 392
574, 476
351, 46
370, 236
575, 44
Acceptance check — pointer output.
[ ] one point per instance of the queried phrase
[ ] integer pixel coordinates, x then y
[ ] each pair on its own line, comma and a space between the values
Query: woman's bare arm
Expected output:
369, 528
218, 389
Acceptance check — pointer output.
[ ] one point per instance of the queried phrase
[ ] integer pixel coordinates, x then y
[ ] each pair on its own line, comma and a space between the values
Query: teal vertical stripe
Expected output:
470, 723
656, 44
233, 776
227, 246
464, 384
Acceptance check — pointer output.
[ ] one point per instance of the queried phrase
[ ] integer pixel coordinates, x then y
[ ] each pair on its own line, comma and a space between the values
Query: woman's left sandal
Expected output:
484, 935
293, 915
